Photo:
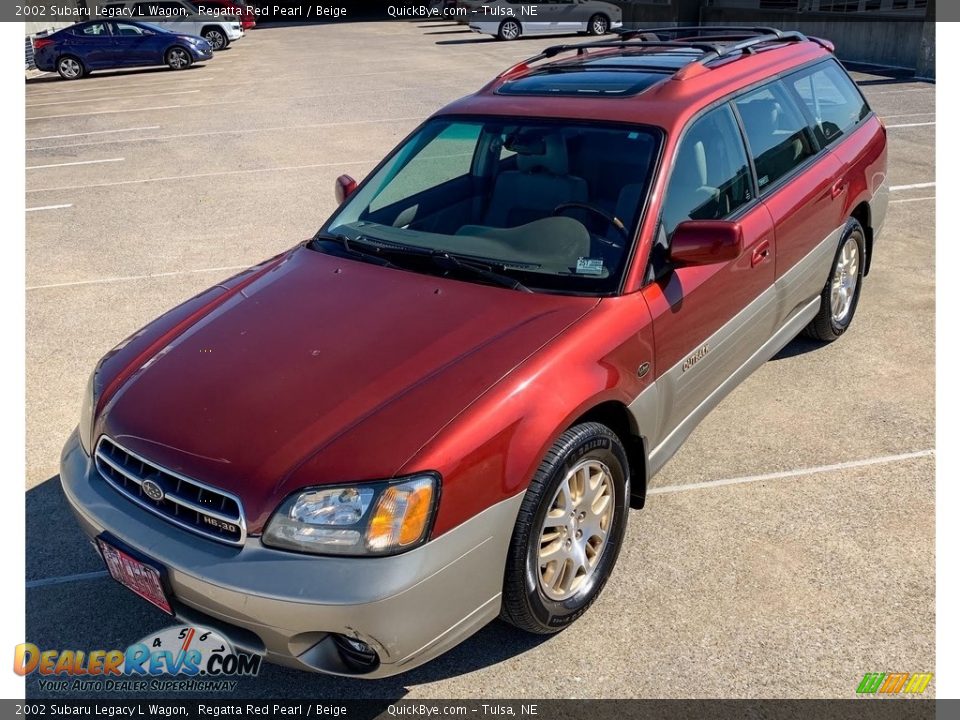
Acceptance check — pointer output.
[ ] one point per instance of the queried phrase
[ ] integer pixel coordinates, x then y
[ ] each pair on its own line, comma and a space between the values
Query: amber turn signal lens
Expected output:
402, 514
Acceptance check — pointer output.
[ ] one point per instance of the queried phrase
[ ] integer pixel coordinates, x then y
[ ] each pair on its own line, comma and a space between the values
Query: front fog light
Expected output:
369, 519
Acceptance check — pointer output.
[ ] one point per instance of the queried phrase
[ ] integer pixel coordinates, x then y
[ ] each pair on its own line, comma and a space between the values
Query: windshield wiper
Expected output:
350, 245
444, 258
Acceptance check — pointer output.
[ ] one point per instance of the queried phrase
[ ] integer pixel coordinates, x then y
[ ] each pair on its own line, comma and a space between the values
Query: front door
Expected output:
708, 320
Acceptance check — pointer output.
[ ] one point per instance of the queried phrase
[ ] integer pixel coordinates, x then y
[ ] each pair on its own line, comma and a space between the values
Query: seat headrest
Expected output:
550, 156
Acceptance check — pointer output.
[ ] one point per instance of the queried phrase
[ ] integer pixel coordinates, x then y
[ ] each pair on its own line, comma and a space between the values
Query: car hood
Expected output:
351, 365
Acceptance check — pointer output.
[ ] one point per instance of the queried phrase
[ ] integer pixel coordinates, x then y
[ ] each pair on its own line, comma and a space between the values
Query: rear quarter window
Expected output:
832, 98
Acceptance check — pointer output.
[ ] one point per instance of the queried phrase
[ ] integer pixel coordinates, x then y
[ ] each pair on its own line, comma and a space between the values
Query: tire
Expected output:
216, 37
540, 594
838, 301
70, 67
598, 25
509, 30
178, 58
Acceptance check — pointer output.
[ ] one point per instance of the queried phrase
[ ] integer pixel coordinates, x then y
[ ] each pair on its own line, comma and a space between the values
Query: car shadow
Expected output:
798, 346
72, 603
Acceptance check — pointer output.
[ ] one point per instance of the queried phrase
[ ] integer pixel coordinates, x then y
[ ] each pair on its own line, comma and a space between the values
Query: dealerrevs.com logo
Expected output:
180, 658
894, 683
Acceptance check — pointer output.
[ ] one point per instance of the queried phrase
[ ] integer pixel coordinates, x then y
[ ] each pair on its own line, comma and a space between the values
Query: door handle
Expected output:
760, 253
837, 189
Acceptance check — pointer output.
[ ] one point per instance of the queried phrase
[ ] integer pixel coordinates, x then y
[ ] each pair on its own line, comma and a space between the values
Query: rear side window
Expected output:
833, 100
711, 177
92, 30
776, 131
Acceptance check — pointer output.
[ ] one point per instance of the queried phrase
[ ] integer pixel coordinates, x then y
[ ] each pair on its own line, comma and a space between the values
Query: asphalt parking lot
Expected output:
814, 567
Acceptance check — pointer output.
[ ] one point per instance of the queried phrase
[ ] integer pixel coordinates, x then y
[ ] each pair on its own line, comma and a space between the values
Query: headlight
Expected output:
366, 519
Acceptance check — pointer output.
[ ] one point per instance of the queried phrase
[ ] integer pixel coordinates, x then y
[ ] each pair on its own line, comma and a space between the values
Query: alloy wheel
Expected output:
845, 278
70, 68
178, 58
574, 532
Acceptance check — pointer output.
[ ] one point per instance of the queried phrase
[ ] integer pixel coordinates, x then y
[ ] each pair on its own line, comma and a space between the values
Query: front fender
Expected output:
491, 451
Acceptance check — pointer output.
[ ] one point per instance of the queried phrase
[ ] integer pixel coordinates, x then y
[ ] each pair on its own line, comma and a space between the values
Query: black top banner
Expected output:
633, 13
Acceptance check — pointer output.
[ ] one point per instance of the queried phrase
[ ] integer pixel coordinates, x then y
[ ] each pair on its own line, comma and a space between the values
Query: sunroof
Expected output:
582, 81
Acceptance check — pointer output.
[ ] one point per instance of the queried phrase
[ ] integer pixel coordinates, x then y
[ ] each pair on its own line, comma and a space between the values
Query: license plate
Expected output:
138, 576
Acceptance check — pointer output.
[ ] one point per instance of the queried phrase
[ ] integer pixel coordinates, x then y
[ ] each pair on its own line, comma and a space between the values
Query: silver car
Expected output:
509, 19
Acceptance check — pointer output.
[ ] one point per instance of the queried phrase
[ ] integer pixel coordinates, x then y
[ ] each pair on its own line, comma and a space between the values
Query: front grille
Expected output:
184, 502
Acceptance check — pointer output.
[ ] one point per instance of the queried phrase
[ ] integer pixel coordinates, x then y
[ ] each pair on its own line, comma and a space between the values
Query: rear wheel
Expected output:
178, 58
599, 25
838, 301
216, 37
509, 30
568, 532
70, 67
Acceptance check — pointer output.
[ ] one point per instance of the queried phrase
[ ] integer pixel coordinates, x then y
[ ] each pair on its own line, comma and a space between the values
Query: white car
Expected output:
180, 17
509, 19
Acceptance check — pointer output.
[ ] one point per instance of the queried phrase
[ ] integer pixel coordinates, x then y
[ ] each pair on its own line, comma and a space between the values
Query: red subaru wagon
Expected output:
440, 408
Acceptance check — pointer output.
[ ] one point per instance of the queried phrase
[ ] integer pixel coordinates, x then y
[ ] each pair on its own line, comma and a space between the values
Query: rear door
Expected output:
708, 320
93, 44
801, 187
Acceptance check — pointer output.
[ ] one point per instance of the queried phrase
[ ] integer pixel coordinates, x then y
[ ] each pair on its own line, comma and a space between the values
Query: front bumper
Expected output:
409, 607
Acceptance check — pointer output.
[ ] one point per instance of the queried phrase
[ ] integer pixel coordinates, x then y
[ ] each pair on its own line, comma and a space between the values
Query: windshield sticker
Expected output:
589, 266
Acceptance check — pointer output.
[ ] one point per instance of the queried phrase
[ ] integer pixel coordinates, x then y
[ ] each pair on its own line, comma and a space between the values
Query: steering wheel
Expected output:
611, 219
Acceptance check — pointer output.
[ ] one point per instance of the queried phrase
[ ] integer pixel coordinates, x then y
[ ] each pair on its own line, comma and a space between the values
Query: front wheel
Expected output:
178, 58
569, 531
838, 301
216, 37
509, 30
599, 25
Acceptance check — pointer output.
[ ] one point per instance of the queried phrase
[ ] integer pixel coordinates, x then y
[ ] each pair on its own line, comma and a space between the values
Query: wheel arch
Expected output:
615, 415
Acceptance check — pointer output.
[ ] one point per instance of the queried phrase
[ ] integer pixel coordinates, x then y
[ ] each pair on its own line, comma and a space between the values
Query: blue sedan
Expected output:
106, 44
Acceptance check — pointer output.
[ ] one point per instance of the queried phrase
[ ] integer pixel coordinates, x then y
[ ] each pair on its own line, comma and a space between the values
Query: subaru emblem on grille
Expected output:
152, 490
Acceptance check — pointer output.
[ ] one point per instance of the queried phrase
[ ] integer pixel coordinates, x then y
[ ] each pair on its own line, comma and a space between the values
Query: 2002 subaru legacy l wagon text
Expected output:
439, 409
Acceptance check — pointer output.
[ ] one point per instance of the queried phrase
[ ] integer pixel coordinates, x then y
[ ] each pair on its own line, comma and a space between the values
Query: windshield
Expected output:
553, 205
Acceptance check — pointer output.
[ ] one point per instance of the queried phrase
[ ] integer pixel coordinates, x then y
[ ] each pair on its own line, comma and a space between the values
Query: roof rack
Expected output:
731, 30
744, 41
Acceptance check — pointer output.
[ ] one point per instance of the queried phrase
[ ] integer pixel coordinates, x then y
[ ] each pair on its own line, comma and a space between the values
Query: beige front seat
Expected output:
540, 183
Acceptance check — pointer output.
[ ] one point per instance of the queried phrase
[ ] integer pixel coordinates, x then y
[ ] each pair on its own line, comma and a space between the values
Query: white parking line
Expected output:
80, 577
915, 186
79, 162
235, 131
889, 127
111, 86
884, 460
49, 207
104, 112
205, 175
110, 99
887, 117
94, 132
128, 278
906, 200
897, 92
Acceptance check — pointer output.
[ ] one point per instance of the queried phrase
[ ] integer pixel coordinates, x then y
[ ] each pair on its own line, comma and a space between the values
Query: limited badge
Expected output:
589, 266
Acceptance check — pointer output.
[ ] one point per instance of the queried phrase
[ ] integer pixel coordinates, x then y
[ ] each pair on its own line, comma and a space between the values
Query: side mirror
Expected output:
343, 188
704, 242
